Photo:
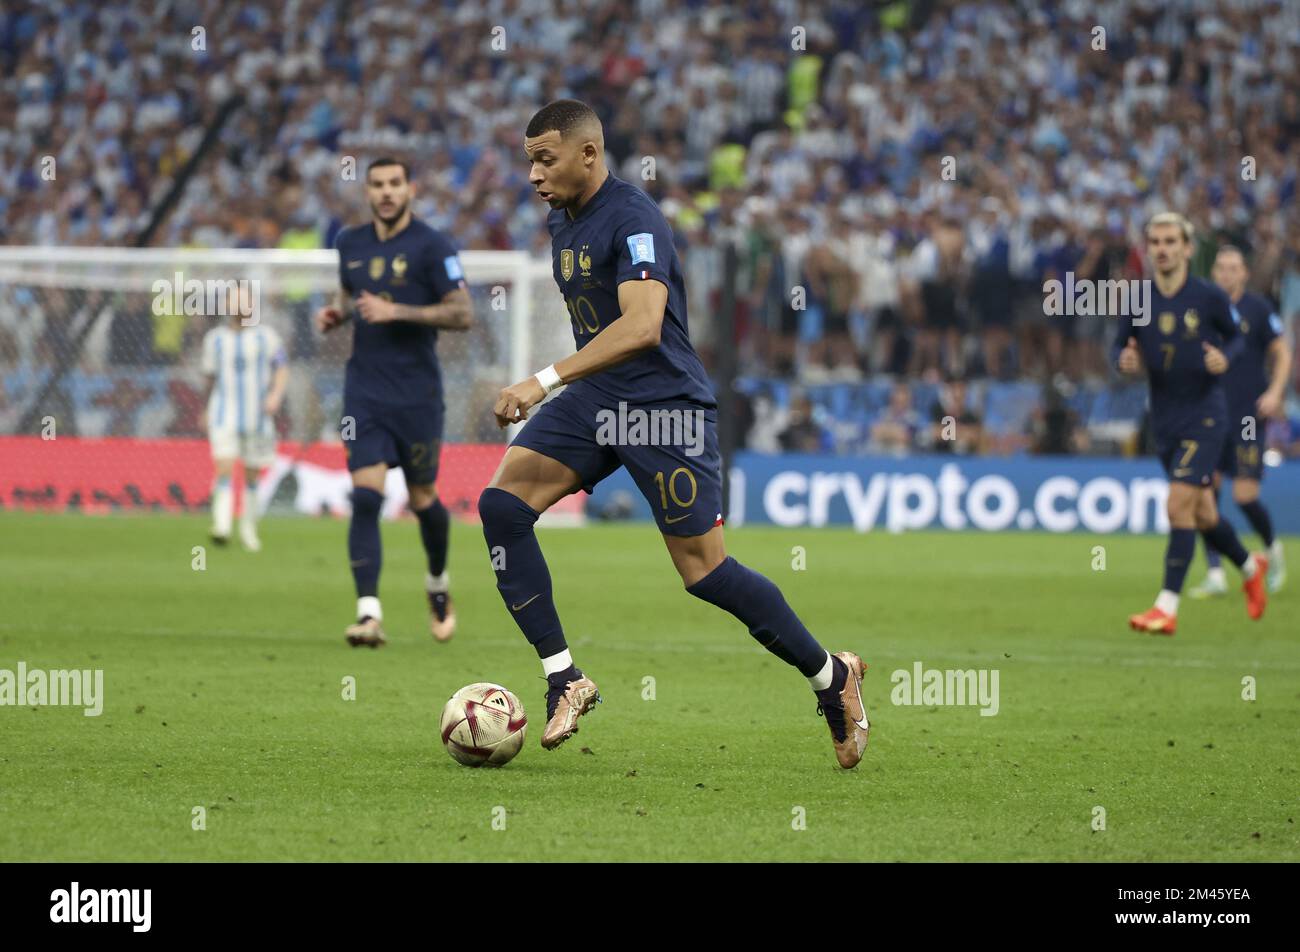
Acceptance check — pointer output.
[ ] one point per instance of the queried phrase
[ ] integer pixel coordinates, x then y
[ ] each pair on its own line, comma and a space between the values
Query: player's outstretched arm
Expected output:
638, 328
454, 313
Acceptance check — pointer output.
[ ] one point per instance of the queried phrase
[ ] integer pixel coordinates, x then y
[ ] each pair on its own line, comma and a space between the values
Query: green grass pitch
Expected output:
223, 690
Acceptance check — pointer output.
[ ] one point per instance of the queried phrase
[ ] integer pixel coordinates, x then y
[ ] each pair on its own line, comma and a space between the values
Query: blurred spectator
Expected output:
895, 429
802, 433
954, 426
1055, 429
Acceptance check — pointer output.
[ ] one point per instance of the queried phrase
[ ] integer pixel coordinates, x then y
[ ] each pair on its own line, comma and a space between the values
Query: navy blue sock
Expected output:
1212, 557
435, 523
1178, 556
523, 579
363, 541
1260, 520
1224, 538
760, 605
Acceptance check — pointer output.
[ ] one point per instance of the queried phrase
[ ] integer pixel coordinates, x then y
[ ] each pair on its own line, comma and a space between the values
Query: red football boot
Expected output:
1154, 622
1255, 589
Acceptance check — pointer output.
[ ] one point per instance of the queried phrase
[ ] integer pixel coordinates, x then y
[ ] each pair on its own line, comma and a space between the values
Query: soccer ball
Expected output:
483, 724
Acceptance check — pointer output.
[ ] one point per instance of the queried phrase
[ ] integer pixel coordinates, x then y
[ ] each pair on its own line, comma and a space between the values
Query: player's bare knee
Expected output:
224, 467
1182, 505
1245, 491
1207, 513
697, 571
539, 481
695, 557
422, 496
371, 477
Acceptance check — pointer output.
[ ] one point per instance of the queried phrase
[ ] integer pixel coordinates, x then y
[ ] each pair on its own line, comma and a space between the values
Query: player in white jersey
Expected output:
247, 374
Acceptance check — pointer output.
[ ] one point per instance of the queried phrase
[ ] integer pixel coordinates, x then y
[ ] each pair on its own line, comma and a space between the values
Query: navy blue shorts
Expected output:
670, 450
1191, 452
409, 437
1241, 459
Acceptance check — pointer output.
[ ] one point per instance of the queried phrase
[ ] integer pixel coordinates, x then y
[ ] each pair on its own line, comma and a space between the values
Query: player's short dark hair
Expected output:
384, 160
562, 116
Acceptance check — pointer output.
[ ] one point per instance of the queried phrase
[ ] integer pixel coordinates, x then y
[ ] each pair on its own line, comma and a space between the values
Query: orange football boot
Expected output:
1255, 589
1154, 622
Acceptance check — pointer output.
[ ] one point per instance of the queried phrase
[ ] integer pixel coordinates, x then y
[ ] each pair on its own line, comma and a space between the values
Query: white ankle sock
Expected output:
1167, 602
436, 584
369, 605
1248, 567
223, 506
822, 679
557, 662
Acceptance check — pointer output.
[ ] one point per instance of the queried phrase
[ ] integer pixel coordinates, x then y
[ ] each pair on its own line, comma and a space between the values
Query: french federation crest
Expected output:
584, 261
376, 268
1168, 321
399, 266
566, 263
1192, 320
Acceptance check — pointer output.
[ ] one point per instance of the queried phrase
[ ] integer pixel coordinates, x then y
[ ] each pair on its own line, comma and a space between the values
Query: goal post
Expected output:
101, 384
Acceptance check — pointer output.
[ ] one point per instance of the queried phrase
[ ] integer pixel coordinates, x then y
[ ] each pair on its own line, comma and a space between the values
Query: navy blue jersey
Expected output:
396, 363
620, 235
1247, 378
1171, 344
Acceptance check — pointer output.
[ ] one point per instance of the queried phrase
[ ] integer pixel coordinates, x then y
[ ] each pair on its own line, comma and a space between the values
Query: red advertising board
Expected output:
115, 473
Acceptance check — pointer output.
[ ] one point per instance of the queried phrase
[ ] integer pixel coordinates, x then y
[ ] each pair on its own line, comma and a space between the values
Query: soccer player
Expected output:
1253, 397
1189, 339
247, 374
404, 283
615, 265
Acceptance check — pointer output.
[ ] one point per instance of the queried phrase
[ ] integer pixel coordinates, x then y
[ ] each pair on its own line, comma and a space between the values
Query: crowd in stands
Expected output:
897, 180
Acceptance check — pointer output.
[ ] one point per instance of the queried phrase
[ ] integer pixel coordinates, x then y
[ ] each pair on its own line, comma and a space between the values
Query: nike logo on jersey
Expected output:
668, 521
354, 264
516, 608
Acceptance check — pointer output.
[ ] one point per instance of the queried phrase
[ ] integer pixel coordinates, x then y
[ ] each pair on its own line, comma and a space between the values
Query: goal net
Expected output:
101, 383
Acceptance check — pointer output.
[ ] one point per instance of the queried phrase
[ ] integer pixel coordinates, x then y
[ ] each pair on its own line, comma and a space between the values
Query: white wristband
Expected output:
548, 378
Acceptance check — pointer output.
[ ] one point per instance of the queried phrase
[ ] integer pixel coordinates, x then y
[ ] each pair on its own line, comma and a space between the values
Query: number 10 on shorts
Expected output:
670, 487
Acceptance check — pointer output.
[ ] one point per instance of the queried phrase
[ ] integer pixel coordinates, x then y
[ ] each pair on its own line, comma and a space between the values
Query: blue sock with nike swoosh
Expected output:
759, 604
523, 579
364, 549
